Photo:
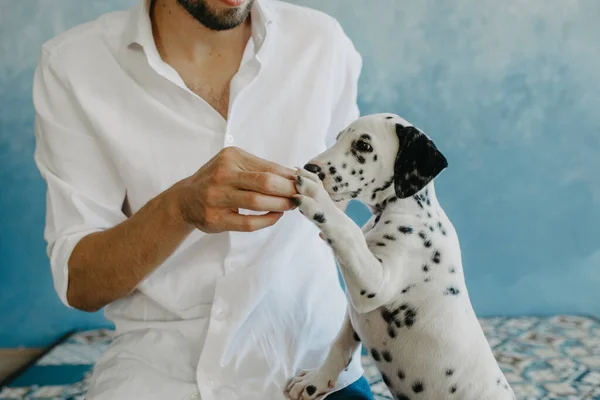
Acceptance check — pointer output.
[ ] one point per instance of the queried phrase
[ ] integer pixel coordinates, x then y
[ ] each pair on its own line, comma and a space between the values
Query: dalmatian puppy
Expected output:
408, 302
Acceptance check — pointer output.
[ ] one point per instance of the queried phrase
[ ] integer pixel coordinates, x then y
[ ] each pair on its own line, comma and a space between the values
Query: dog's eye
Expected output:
363, 146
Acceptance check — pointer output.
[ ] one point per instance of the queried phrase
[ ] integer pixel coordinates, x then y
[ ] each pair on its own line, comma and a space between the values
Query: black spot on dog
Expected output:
362, 179
363, 292
371, 295
428, 279
453, 389
373, 196
427, 243
353, 172
335, 189
385, 379
344, 165
387, 356
388, 117
392, 199
338, 179
311, 389
425, 268
401, 374
402, 396
373, 180
449, 372
409, 317
418, 387
422, 235
452, 291
346, 184
328, 162
377, 218
387, 222
379, 259
389, 237
375, 355
436, 257
360, 159
439, 224
360, 171
322, 176
452, 270
431, 228
375, 157
406, 289
332, 170
391, 331
405, 229
330, 241
428, 214
319, 217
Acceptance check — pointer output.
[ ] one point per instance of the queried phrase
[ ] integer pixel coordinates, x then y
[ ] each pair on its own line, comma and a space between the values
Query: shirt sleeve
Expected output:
84, 192
346, 106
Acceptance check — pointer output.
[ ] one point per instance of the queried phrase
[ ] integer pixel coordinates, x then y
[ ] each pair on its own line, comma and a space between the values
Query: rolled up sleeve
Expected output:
346, 107
84, 191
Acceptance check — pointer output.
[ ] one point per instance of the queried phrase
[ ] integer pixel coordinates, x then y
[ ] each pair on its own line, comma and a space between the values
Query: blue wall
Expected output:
509, 90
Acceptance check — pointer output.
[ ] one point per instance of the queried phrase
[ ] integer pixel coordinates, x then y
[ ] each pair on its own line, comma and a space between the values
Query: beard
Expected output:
216, 20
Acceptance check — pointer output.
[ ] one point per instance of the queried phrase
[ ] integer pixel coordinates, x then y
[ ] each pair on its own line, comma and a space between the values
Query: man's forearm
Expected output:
108, 265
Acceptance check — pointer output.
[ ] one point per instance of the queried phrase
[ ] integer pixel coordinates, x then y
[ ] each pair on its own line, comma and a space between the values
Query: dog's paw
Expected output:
312, 200
309, 385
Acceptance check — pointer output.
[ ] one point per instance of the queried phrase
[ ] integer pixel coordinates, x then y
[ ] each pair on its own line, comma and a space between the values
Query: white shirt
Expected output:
230, 315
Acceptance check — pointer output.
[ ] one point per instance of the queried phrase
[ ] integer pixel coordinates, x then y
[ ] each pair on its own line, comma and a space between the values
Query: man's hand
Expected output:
209, 200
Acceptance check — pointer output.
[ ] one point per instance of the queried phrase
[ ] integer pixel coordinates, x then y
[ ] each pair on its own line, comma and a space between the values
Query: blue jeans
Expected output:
359, 390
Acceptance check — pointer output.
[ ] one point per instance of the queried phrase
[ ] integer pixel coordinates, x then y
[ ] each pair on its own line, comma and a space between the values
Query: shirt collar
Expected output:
139, 27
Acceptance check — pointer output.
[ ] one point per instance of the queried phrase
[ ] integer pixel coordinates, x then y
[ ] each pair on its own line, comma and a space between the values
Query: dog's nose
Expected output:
314, 168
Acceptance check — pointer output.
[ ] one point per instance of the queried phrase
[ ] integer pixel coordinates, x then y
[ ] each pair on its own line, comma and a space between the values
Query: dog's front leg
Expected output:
366, 277
314, 384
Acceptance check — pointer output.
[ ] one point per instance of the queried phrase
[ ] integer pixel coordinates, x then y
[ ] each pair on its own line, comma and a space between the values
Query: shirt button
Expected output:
228, 139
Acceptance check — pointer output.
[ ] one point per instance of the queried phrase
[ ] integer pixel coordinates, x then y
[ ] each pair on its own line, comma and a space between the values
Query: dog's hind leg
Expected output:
314, 384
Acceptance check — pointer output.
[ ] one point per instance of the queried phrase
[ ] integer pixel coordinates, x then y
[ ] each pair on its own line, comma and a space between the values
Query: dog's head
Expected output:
374, 153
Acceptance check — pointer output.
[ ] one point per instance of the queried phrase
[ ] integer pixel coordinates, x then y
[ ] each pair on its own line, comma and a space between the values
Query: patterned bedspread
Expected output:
553, 358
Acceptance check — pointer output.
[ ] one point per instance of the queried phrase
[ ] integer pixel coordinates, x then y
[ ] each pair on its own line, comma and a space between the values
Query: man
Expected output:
166, 134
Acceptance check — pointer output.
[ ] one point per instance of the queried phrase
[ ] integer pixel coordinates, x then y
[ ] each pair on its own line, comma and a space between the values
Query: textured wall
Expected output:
509, 90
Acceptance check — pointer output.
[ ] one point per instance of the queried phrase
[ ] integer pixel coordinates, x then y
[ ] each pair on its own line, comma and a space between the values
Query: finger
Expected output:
252, 163
256, 201
266, 183
250, 223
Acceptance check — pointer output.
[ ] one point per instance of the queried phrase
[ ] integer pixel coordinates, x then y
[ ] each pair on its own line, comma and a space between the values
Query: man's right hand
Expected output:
209, 200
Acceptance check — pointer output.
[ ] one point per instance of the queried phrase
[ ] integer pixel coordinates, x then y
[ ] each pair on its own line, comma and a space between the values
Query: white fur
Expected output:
417, 322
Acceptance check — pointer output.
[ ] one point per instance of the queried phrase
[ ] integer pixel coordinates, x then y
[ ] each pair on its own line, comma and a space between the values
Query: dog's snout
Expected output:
314, 168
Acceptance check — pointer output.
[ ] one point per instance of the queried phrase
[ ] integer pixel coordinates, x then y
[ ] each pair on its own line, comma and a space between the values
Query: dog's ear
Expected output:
417, 163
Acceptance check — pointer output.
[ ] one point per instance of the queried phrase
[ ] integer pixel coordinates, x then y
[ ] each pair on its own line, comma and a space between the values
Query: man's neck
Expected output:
178, 35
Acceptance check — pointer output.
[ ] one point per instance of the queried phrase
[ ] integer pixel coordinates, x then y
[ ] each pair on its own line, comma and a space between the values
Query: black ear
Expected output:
417, 163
